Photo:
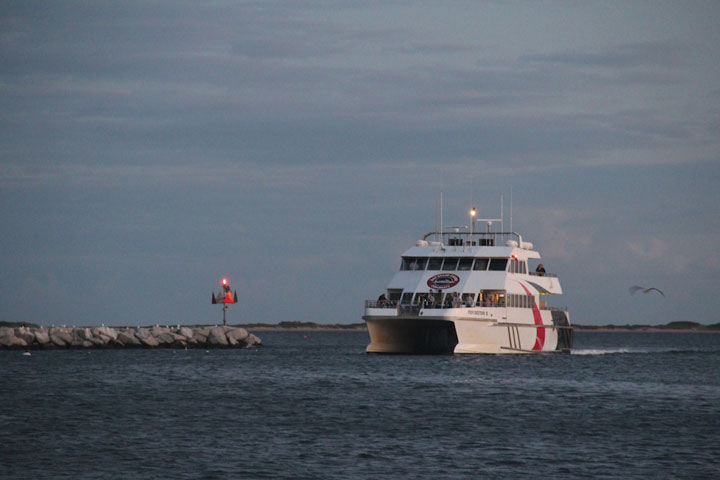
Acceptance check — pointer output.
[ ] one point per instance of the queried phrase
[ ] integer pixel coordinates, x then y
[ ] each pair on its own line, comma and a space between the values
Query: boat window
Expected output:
435, 263
520, 301
468, 299
394, 294
413, 263
498, 264
518, 266
406, 298
481, 264
465, 263
450, 263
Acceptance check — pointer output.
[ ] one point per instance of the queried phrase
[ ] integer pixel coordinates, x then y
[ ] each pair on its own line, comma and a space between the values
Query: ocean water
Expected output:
313, 405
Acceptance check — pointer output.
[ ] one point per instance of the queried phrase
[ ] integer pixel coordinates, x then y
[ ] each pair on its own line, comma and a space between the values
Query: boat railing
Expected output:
536, 274
415, 309
380, 304
412, 310
428, 305
555, 309
467, 238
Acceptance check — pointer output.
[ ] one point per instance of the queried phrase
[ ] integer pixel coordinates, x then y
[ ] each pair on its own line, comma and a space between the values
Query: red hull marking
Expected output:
540, 336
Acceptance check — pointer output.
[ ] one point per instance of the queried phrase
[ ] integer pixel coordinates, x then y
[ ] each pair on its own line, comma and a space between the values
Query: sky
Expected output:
149, 148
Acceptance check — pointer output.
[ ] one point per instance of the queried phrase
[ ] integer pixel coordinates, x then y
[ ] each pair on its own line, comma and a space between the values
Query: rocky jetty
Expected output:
38, 337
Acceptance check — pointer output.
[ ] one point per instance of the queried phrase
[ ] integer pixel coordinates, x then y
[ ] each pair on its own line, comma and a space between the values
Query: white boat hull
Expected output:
451, 331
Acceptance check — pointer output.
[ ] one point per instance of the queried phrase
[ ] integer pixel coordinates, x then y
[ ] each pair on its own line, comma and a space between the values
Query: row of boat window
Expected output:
463, 263
483, 298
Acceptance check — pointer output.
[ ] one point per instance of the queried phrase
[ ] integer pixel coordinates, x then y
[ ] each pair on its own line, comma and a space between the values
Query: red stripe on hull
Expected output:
537, 318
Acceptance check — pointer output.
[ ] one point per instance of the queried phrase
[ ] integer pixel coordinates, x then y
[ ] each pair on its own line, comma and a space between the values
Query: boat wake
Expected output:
611, 351
605, 351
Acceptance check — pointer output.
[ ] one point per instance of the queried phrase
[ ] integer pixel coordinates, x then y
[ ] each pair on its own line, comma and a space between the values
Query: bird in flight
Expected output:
636, 288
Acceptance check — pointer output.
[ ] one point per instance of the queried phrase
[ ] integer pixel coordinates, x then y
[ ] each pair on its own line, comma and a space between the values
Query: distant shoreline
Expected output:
672, 327
642, 328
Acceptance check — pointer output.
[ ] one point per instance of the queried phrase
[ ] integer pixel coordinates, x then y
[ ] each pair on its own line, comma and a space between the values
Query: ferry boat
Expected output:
467, 292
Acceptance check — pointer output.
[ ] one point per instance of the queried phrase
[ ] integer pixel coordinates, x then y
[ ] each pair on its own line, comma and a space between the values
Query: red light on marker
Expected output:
224, 281
515, 257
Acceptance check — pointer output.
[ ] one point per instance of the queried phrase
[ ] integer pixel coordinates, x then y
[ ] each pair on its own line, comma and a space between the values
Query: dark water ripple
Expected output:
625, 405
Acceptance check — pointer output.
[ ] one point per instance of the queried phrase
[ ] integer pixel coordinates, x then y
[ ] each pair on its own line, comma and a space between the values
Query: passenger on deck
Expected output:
540, 270
456, 300
430, 299
382, 300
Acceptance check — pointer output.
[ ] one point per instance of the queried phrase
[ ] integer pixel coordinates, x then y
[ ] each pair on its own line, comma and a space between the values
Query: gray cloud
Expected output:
656, 54
142, 143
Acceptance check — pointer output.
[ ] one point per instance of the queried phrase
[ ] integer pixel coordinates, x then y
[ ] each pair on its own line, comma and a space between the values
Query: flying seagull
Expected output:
635, 288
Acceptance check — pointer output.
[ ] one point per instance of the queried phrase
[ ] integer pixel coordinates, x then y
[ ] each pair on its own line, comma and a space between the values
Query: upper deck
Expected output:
495, 261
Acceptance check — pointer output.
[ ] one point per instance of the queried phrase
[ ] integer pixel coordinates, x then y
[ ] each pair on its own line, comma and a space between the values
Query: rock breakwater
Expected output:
38, 337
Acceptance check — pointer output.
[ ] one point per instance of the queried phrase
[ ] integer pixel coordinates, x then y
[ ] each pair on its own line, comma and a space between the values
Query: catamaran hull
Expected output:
442, 335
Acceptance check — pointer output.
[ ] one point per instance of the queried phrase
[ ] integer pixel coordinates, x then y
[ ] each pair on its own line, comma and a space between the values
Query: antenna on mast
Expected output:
511, 208
441, 214
436, 219
502, 214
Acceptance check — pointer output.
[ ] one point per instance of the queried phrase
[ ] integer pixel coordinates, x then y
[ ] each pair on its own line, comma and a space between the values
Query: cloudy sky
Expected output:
148, 148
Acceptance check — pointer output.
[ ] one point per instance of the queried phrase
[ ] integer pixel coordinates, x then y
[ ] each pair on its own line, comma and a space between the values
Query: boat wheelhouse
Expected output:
466, 292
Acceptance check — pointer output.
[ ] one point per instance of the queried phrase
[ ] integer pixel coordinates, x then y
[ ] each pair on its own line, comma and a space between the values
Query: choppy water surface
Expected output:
314, 405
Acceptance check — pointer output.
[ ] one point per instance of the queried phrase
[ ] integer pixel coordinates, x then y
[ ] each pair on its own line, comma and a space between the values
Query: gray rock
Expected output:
217, 337
42, 337
28, 336
141, 333
127, 338
8, 340
63, 336
149, 341
185, 332
179, 338
165, 338
83, 333
237, 333
98, 340
157, 331
108, 332
58, 340
205, 331
16, 342
252, 340
77, 341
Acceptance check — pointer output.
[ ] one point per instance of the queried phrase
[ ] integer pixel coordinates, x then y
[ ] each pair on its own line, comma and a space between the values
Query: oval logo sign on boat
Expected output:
443, 280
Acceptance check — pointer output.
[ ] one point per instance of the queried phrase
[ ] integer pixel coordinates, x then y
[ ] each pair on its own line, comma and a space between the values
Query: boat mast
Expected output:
441, 215
502, 215
511, 208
